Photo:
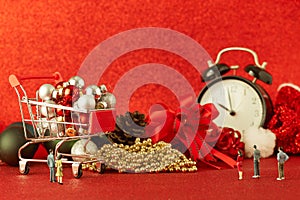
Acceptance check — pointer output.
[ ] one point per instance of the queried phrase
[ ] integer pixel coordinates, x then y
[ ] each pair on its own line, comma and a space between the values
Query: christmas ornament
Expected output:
58, 92
76, 81
109, 99
67, 95
71, 132
103, 88
101, 105
93, 90
29, 127
83, 148
144, 157
65, 147
50, 124
86, 102
11, 139
71, 94
128, 128
47, 111
45, 91
264, 139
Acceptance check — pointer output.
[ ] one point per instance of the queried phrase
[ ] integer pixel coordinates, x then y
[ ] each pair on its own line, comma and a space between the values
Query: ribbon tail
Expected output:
204, 151
208, 163
229, 161
195, 155
193, 151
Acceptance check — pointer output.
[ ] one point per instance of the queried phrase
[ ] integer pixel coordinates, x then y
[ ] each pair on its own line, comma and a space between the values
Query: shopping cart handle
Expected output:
14, 80
57, 77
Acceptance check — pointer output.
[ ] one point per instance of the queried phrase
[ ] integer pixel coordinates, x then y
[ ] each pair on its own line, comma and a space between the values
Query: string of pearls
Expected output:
143, 157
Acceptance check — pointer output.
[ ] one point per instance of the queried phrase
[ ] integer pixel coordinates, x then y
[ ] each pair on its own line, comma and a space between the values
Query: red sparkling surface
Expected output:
39, 38
285, 122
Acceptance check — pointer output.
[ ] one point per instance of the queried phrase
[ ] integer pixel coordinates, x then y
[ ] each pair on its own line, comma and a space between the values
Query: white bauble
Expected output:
56, 128
86, 102
45, 91
78, 149
47, 111
51, 125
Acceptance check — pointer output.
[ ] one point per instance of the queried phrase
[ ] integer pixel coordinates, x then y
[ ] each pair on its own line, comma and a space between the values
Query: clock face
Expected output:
240, 104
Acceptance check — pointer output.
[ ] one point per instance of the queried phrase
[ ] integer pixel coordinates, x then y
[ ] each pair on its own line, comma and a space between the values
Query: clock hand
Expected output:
229, 98
222, 106
231, 112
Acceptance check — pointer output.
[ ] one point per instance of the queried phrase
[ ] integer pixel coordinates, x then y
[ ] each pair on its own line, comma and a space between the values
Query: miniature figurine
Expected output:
282, 157
59, 168
239, 164
256, 160
51, 165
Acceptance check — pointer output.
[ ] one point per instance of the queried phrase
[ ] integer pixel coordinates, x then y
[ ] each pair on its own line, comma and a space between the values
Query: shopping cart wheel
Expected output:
77, 170
23, 167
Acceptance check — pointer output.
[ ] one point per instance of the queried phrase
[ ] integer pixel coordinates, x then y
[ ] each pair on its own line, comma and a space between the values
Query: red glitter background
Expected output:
41, 37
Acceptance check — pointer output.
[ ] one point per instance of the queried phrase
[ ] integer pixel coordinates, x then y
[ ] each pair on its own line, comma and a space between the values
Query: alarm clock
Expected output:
241, 103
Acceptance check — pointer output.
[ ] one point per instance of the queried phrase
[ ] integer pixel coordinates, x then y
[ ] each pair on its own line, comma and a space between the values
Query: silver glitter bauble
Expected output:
52, 126
103, 88
77, 81
110, 99
83, 147
93, 90
45, 91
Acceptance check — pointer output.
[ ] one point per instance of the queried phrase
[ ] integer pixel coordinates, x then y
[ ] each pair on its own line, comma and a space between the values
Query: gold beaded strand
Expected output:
143, 157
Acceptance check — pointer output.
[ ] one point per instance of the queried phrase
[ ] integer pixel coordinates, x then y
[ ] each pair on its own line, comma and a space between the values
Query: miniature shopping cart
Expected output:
46, 129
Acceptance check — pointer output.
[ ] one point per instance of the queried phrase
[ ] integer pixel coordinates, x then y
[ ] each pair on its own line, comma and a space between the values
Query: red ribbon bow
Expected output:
229, 142
191, 128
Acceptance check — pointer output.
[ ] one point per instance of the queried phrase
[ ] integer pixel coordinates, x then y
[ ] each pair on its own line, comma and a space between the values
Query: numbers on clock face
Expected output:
238, 103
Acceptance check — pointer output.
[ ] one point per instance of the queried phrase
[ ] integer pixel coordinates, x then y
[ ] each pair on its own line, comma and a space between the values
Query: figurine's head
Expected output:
50, 151
59, 156
254, 146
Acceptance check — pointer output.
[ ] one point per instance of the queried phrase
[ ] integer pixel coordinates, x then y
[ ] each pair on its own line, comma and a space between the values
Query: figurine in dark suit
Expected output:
51, 165
256, 160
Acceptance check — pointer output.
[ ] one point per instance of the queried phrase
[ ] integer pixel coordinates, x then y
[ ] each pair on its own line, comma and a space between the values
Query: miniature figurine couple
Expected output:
239, 161
282, 157
55, 163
